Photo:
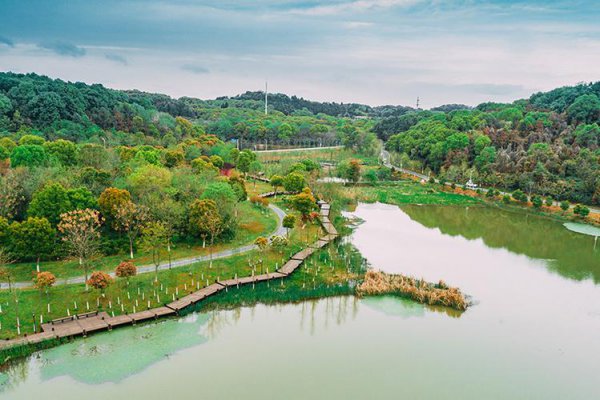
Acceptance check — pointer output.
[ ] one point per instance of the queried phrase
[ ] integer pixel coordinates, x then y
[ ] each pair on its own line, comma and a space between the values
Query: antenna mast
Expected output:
266, 99
417, 102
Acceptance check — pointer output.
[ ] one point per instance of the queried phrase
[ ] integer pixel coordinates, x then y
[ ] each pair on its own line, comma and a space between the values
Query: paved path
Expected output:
83, 324
385, 159
182, 262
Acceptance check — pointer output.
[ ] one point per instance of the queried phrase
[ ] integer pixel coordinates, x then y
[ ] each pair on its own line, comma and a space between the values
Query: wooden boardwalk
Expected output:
83, 324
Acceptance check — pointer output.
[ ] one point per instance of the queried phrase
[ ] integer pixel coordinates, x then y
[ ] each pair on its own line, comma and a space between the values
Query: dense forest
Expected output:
55, 109
548, 144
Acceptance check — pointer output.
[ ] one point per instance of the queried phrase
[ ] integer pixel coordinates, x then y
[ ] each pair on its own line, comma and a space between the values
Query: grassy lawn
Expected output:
253, 222
409, 192
398, 193
142, 288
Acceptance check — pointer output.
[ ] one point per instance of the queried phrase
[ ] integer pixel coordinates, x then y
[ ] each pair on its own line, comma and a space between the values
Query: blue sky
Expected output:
369, 51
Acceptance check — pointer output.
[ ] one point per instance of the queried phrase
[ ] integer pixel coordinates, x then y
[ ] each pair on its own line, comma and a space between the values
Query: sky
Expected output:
366, 51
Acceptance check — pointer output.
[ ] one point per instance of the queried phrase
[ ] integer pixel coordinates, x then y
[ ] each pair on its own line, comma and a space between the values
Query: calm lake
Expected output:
534, 332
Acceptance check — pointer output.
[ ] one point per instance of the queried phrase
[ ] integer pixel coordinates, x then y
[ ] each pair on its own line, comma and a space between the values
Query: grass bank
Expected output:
31, 306
253, 222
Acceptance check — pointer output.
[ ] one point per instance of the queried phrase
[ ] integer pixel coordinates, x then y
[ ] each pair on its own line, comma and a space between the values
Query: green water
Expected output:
534, 332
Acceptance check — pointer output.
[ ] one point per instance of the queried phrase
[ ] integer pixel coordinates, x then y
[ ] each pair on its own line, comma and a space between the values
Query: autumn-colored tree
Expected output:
289, 221
259, 201
126, 270
353, 173
99, 280
11, 194
80, 230
44, 281
304, 203
206, 221
111, 199
262, 243
130, 218
154, 240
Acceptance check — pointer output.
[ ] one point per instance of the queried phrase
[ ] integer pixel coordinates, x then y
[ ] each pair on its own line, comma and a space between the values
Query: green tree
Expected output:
154, 239
518, 195
586, 109
294, 182
50, 202
226, 199
28, 156
564, 205
33, 238
581, 210
276, 181
371, 176
289, 221
32, 140
244, 159
537, 202
63, 150
205, 220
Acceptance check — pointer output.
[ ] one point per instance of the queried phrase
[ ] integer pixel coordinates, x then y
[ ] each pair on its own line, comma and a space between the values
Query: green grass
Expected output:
253, 222
398, 193
409, 192
141, 288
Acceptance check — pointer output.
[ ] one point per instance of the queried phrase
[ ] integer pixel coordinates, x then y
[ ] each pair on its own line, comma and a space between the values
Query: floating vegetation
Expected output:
440, 294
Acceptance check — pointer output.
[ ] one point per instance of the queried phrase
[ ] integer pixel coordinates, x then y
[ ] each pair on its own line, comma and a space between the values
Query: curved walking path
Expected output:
82, 324
182, 262
385, 160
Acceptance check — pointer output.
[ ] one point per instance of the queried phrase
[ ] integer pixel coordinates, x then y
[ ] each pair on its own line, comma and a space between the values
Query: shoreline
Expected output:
67, 328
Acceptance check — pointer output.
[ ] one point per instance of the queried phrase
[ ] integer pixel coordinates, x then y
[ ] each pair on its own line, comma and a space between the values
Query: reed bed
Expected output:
440, 294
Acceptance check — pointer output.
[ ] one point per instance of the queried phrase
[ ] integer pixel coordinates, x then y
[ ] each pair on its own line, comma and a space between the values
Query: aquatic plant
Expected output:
379, 283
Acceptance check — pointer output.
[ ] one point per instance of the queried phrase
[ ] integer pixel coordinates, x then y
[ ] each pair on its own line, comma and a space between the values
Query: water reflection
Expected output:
123, 353
111, 357
568, 253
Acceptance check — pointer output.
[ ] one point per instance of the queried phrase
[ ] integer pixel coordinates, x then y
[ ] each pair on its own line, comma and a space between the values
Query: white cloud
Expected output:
357, 24
352, 6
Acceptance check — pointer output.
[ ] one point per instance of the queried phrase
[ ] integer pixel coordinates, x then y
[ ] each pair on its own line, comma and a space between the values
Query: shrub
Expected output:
518, 195
99, 280
126, 270
44, 280
580, 210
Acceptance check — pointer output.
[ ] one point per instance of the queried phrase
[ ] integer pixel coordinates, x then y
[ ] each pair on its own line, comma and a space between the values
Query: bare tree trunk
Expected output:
37, 265
85, 270
131, 247
212, 239
169, 251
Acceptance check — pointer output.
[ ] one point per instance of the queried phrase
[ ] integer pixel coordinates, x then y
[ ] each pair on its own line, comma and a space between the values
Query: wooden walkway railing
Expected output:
83, 324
